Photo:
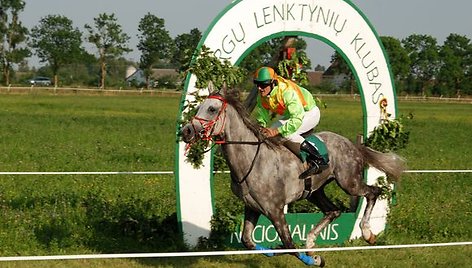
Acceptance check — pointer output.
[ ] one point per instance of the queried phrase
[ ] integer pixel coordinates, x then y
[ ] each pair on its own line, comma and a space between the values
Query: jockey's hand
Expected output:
270, 132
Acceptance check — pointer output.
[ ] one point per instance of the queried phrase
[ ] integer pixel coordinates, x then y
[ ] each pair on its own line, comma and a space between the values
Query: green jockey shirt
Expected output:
286, 95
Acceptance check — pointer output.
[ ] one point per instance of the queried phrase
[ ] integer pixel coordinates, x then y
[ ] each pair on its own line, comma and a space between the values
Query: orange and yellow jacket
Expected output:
288, 100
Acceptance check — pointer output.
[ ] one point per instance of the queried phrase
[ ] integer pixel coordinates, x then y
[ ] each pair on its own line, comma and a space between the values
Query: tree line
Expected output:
419, 64
60, 46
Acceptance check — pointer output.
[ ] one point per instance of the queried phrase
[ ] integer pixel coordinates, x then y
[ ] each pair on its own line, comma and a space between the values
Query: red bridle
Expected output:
208, 130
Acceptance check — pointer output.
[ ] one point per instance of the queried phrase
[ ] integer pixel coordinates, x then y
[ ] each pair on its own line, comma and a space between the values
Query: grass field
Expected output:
82, 214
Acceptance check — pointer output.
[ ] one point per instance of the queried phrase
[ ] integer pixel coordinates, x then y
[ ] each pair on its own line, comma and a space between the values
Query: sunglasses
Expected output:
262, 85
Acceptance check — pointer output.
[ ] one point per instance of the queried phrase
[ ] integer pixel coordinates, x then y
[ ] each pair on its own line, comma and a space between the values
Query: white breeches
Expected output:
310, 121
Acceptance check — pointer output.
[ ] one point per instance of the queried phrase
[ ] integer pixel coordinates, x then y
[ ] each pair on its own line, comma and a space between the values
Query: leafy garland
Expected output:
292, 68
208, 68
389, 136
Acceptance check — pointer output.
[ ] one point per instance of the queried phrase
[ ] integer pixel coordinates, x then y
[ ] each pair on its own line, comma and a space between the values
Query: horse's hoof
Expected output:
309, 260
319, 261
369, 237
258, 247
372, 239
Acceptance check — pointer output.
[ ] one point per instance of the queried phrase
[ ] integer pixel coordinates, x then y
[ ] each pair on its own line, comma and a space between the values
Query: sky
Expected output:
396, 18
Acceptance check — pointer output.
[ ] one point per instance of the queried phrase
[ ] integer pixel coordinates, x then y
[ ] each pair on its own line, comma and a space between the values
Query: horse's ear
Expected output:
211, 88
225, 89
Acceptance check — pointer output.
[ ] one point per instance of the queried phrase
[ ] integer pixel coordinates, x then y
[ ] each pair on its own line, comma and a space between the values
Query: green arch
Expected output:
281, 33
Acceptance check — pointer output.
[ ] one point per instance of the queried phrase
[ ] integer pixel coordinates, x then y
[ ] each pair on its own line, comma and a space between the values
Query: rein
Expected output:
208, 133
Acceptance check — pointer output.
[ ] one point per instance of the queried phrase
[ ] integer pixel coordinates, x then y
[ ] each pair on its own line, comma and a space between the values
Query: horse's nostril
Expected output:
187, 133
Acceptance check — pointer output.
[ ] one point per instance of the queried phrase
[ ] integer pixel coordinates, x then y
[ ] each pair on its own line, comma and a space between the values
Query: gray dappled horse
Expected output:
265, 174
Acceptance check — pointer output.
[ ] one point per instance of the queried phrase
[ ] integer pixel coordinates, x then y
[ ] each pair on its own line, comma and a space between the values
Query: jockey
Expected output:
297, 112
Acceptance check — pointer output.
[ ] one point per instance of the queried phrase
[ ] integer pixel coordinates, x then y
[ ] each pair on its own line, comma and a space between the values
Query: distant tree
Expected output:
56, 42
185, 48
424, 56
82, 72
108, 37
320, 68
155, 43
398, 57
12, 35
266, 54
340, 66
468, 72
456, 64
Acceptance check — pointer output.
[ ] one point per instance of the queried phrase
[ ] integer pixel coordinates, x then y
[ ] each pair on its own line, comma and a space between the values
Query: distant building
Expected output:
314, 77
134, 76
335, 78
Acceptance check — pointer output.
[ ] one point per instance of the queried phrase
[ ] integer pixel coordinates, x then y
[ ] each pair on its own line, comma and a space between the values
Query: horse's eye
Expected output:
211, 109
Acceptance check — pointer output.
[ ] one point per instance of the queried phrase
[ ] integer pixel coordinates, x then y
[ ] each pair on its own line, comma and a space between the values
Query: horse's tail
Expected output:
390, 163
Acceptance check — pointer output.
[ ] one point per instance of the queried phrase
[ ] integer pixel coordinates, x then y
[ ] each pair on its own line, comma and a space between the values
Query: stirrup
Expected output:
312, 170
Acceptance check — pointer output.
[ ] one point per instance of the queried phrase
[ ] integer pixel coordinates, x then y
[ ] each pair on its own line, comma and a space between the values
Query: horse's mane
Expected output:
232, 98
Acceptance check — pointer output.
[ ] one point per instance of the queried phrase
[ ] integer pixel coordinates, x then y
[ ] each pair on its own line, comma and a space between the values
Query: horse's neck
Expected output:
239, 156
236, 129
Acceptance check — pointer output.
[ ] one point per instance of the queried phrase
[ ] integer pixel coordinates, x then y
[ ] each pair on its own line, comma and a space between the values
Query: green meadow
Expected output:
89, 214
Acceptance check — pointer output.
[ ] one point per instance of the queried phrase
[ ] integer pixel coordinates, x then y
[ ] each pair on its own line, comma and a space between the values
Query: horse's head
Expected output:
208, 122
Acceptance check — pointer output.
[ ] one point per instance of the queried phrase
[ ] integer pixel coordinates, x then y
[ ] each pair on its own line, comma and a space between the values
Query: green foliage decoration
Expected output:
390, 135
292, 68
208, 68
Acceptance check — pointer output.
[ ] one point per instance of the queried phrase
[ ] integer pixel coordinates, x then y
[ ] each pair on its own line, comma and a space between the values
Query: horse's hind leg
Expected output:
351, 182
371, 197
330, 211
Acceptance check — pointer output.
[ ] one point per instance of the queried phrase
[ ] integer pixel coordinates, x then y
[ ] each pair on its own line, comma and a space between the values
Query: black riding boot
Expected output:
314, 159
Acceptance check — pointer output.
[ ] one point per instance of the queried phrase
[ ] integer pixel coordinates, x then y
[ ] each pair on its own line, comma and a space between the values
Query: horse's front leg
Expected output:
250, 221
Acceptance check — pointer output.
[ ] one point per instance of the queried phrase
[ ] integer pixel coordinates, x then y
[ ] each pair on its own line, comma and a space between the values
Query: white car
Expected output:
40, 81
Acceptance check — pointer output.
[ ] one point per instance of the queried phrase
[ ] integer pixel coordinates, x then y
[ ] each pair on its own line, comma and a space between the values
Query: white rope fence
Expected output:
90, 173
220, 253
172, 172
439, 171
